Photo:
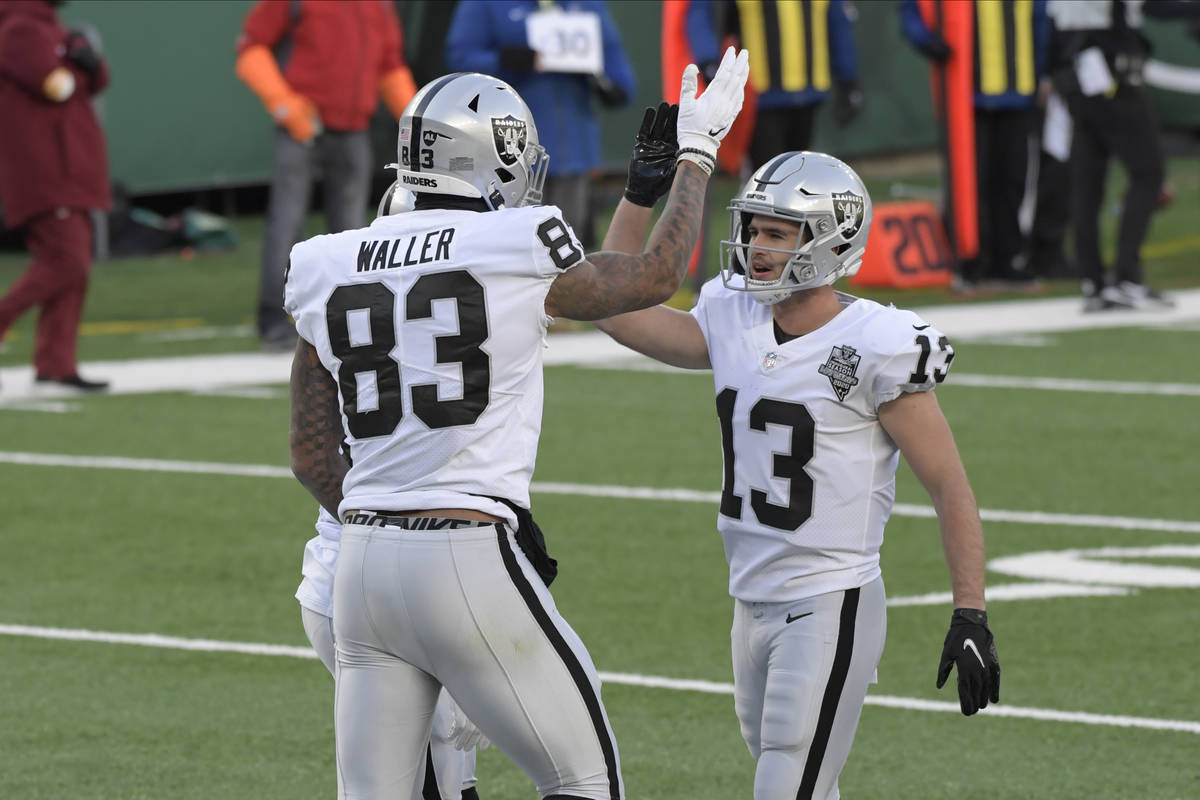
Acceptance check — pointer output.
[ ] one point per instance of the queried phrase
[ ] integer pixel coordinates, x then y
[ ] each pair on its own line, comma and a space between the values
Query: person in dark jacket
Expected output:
1008, 46
319, 68
53, 171
799, 53
492, 37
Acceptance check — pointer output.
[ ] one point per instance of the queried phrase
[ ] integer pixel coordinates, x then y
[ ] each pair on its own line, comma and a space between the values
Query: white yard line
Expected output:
589, 490
592, 348
624, 678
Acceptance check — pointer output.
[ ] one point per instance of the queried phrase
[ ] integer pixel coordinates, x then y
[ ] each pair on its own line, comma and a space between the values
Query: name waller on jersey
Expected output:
385, 253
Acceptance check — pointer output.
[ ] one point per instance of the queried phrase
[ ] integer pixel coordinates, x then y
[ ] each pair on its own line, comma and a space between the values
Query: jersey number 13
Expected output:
788, 466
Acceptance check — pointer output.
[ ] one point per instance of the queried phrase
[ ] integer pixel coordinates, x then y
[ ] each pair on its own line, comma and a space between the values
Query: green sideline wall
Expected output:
177, 117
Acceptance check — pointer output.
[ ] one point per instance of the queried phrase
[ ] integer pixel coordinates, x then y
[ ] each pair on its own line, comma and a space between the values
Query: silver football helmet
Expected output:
471, 135
396, 200
825, 198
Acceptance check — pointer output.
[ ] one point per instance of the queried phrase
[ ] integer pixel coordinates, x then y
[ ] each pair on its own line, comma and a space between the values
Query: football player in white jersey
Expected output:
449, 772
818, 392
420, 344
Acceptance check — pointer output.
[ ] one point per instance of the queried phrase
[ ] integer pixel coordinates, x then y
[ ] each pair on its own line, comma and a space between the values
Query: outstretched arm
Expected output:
661, 332
316, 429
609, 283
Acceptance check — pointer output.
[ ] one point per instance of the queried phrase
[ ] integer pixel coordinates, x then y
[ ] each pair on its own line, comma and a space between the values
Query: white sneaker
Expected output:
1139, 295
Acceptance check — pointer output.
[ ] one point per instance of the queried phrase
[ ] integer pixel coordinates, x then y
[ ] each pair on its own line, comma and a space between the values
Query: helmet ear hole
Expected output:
504, 175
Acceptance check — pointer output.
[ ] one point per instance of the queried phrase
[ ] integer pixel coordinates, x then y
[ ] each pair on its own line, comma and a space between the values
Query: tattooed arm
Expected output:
316, 429
608, 283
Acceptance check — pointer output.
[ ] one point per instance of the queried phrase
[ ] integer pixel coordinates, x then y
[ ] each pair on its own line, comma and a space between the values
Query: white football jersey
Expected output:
432, 323
809, 477
320, 565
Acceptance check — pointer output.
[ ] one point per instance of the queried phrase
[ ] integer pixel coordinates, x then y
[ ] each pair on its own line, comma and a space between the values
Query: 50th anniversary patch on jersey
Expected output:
841, 368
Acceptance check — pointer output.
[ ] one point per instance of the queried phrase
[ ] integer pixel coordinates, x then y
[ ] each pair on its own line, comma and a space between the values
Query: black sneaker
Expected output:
1094, 298
74, 382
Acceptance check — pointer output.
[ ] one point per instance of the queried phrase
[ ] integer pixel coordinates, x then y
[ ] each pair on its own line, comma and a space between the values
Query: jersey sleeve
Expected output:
700, 311
555, 246
296, 279
913, 356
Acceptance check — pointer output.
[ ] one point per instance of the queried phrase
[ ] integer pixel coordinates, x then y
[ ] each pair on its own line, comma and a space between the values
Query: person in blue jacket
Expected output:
490, 36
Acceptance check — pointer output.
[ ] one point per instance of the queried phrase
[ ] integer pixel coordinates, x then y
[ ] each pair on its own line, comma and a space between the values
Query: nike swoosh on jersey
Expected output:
971, 644
790, 619
920, 327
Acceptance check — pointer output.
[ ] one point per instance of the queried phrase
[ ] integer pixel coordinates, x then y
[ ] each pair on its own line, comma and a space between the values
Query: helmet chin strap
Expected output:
765, 297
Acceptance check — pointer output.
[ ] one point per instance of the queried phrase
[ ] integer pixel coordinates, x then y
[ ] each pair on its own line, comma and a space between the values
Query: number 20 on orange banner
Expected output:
907, 248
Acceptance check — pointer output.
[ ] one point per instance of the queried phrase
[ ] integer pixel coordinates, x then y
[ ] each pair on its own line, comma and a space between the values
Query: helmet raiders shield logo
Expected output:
848, 210
509, 135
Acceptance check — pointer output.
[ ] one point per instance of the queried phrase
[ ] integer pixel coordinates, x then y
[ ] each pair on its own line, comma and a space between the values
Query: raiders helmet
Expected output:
822, 195
471, 135
396, 200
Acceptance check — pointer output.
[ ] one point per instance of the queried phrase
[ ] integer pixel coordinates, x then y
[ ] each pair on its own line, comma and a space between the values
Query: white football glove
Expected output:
704, 120
451, 725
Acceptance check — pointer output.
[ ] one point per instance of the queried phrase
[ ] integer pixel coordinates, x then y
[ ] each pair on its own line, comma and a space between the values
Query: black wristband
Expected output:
972, 615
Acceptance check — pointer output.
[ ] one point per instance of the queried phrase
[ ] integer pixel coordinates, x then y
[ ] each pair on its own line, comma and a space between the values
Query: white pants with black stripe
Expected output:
453, 769
462, 608
799, 685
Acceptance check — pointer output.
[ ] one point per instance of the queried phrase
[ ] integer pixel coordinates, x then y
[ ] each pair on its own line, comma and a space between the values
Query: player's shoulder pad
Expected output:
557, 246
890, 331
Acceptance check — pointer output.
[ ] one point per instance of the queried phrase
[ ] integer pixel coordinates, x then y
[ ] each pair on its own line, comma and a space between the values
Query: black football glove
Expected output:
847, 103
518, 59
936, 49
611, 95
970, 648
81, 53
652, 165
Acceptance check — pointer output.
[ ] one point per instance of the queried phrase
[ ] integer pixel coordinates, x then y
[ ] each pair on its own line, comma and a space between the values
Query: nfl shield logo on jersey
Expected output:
509, 135
848, 210
840, 369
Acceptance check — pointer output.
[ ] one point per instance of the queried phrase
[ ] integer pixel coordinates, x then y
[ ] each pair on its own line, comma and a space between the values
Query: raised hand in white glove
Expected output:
450, 724
704, 120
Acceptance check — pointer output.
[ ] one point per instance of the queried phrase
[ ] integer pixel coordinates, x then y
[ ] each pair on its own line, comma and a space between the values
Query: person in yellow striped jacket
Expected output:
1009, 52
800, 51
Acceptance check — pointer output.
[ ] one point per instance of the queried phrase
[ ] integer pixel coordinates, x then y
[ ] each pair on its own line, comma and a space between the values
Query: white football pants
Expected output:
462, 608
799, 686
453, 769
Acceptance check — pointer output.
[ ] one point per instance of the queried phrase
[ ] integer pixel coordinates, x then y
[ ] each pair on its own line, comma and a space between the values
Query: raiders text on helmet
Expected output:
471, 135
825, 198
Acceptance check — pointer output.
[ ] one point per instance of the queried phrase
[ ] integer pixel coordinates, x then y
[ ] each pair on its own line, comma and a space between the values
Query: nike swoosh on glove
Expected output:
970, 649
704, 120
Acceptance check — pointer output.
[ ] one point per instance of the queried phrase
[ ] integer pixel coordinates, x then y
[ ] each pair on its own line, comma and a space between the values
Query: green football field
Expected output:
1100, 694
150, 646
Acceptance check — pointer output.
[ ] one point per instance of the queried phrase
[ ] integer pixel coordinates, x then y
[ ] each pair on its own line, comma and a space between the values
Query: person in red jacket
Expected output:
53, 171
318, 66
